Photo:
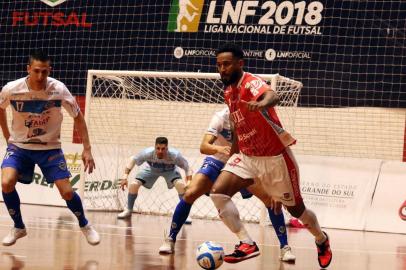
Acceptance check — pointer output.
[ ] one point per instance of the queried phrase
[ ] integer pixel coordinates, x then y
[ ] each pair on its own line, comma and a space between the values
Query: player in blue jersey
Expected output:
36, 102
159, 161
217, 144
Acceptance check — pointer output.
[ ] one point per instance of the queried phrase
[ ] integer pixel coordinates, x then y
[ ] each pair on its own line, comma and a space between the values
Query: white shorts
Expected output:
279, 175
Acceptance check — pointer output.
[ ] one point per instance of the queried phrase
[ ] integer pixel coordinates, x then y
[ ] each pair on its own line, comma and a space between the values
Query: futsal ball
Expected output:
210, 255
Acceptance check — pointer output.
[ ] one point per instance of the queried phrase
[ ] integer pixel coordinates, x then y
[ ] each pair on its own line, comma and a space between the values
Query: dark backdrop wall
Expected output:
346, 53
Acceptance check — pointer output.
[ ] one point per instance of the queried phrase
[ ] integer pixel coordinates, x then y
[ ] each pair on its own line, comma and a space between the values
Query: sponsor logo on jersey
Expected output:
254, 86
234, 162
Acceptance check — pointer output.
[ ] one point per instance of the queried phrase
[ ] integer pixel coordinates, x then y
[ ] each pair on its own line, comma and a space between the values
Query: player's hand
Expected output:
88, 160
123, 184
188, 181
225, 150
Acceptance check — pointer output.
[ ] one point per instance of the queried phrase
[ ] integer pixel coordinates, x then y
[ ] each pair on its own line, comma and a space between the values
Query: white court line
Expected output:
52, 221
14, 255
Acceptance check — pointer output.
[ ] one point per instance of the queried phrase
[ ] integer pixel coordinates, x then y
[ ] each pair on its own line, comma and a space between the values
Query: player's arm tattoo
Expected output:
268, 99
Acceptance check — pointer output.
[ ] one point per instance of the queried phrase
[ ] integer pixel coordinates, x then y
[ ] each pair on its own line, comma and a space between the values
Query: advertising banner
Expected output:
388, 210
324, 44
338, 190
42, 193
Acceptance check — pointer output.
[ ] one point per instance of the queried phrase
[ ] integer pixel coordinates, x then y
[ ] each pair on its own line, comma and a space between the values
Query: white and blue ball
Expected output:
210, 255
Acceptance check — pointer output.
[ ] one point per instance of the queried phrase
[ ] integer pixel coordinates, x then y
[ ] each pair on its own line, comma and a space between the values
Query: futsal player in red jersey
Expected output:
263, 154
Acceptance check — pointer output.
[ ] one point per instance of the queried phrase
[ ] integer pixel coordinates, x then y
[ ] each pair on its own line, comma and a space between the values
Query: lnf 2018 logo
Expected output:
184, 15
53, 3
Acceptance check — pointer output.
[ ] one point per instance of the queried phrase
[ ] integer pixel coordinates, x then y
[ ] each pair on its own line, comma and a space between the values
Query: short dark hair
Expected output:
233, 48
161, 140
38, 55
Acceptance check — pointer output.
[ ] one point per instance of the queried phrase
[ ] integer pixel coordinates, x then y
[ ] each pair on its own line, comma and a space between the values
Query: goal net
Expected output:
126, 111
348, 54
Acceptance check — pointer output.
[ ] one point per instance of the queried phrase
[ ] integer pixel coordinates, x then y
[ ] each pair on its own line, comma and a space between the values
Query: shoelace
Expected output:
286, 248
237, 253
322, 249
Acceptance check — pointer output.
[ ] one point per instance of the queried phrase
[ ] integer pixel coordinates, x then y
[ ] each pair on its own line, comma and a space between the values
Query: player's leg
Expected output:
74, 204
288, 189
277, 218
53, 165
309, 220
144, 177
174, 179
234, 177
133, 188
181, 189
14, 163
200, 185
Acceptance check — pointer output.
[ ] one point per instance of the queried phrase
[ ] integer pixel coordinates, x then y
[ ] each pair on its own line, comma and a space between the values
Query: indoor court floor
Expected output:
55, 242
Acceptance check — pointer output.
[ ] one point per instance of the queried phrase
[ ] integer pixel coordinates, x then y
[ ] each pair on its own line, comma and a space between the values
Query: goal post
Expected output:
126, 111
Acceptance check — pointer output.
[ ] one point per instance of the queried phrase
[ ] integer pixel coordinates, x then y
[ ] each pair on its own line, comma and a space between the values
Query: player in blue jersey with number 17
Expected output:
158, 161
217, 144
36, 102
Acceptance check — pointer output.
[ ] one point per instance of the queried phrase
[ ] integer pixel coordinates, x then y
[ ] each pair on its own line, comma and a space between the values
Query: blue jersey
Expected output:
172, 159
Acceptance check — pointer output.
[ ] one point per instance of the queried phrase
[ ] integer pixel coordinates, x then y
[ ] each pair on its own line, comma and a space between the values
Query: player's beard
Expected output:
234, 78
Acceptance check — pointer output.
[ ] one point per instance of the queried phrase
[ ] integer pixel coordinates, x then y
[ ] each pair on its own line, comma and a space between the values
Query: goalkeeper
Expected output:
159, 161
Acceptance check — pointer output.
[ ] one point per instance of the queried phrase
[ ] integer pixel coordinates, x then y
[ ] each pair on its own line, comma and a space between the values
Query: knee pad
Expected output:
220, 200
228, 212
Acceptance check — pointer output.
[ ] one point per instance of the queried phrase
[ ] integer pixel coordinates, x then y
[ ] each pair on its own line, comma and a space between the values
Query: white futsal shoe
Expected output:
168, 247
13, 235
91, 235
125, 214
188, 221
286, 255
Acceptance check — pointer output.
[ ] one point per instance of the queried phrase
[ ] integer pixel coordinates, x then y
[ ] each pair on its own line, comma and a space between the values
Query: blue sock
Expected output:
75, 205
278, 222
180, 196
12, 201
182, 211
131, 200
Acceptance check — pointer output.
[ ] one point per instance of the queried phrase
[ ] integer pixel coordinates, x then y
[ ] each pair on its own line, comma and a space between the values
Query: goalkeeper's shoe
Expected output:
125, 214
